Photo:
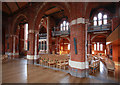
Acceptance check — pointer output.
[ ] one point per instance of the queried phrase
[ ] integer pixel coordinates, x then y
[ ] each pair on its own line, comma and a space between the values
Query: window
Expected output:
95, 21
101, 47
98, 46
100, 19
67, 26
64, 26
39, 45
68, 46
45, 46
26, 36
61, 28
105, 19
94, 46
42, 45
7, 45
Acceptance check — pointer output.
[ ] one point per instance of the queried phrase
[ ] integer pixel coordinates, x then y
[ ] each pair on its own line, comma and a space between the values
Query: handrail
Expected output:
99, 26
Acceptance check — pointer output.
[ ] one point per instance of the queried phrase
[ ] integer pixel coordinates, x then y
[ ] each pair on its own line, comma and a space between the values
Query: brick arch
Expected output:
97, 35
103, 10
43, 9
43, 24
60, 44
91, 6
17, 20
88, 10
64, 38
43, 29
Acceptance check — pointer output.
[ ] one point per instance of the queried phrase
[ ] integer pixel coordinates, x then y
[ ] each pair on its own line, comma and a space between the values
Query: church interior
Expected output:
60, 42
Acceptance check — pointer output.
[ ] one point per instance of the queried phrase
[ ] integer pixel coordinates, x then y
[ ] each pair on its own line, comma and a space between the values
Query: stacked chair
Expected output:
53, 60
4, 58
95, 65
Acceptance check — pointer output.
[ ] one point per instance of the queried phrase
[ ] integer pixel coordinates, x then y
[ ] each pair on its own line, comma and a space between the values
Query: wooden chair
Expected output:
4, 58
110, 66
93, 67
51, 63
62, 63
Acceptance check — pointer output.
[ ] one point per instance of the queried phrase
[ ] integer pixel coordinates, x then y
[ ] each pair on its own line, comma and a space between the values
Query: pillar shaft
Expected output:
48, 27
78, 39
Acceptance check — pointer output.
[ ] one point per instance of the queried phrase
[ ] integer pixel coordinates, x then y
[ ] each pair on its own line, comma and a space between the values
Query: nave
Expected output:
20, 72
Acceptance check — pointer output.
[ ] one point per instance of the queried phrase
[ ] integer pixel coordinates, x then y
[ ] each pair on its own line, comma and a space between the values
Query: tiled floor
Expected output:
17, 71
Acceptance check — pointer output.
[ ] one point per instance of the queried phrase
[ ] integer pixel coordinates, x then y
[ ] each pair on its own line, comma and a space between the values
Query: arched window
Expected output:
67, 26
105, 19
95, 21
64, 26
94, 46
101, 47
61, 27
68, 46
100, 19
98, 46
26, 36
42, 45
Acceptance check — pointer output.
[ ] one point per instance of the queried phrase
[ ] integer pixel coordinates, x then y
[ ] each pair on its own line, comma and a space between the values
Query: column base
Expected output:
81, 73
79, 69
12, 55
32, 59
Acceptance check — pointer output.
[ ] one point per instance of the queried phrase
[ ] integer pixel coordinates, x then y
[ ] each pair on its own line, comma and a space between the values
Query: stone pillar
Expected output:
48, 27
78, 64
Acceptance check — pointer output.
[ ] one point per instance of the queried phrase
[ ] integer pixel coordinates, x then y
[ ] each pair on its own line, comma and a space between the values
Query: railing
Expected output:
42, 37
58, 32
42, 34
99, 28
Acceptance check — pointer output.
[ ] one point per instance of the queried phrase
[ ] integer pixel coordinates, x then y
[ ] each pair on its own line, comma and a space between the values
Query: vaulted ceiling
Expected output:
11, 7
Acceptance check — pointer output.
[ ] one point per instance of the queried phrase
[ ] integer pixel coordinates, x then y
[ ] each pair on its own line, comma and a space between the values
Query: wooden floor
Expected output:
17, 71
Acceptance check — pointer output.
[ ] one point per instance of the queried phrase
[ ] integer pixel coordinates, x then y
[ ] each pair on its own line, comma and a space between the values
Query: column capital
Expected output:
80, 20
31, 31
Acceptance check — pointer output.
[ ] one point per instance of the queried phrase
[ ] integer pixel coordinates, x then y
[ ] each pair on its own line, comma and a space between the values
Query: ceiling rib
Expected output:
17, 5
8, 7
